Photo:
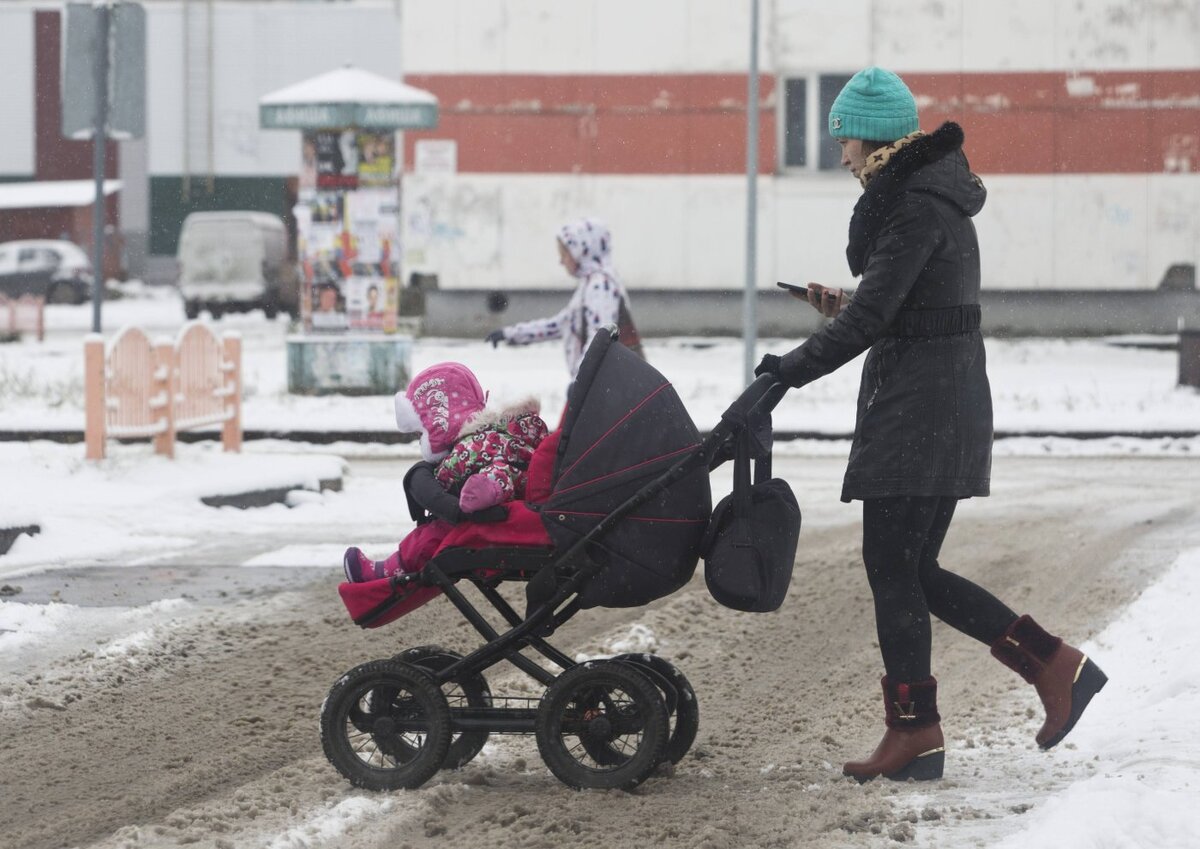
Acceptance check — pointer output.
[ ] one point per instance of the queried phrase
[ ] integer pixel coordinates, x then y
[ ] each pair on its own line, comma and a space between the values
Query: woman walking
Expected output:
599, 299
923, 435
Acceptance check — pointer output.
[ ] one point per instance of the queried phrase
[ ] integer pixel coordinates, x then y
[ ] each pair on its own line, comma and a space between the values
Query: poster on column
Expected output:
372, 291
348, 233
376, 158
328, 260
334, 158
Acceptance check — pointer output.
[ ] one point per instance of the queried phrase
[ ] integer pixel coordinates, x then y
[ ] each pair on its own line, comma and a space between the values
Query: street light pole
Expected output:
749, 312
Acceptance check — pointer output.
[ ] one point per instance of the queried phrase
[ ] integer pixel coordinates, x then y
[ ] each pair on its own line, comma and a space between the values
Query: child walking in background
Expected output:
599, 299
474, 460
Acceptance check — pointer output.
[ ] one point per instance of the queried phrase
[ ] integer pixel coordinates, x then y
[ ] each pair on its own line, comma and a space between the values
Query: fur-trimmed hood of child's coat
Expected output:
491, 418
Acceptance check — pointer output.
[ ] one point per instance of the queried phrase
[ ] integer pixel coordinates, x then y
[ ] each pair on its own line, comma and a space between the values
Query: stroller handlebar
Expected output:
753, 406
759, 398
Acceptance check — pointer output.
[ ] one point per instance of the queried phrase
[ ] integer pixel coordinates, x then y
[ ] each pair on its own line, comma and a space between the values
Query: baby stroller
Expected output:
616, 512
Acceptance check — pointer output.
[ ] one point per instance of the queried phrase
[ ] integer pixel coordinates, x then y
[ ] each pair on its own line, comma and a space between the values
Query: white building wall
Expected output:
16, 91
576, 36
1036, 232
712, 36
256, 48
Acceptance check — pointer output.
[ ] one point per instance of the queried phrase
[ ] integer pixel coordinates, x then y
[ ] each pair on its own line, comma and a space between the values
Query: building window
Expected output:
830, 157
795, 152
806, 142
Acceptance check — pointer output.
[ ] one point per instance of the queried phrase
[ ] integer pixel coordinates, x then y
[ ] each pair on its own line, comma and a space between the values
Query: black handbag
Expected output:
750, 545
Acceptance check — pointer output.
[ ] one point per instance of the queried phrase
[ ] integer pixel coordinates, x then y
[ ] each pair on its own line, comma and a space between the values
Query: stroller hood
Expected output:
624, 426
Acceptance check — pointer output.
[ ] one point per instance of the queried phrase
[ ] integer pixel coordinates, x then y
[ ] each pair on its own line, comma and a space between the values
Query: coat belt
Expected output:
942, 322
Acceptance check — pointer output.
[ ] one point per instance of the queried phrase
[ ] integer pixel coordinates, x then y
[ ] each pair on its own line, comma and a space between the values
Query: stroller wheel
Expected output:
385, 725
466, 691
683, 711
605, 708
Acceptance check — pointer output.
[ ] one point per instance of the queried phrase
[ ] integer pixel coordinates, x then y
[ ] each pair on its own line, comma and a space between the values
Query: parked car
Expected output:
57, 270
235, 262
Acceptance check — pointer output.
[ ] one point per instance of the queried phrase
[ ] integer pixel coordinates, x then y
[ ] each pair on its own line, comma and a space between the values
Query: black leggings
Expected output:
901, 540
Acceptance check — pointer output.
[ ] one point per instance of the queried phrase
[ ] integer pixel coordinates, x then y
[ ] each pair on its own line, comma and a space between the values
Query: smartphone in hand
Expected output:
792, 287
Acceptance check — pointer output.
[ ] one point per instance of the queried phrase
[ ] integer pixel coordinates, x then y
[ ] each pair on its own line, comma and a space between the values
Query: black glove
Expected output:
495, 337
495, 513
770, 364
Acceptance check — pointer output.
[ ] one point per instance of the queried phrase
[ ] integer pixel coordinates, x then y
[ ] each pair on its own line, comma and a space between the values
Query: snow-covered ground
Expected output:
134, 506
1133, 762
1149, 733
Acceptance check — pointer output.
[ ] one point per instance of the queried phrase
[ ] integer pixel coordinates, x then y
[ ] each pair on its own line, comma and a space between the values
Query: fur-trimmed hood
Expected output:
491, 418
934, 164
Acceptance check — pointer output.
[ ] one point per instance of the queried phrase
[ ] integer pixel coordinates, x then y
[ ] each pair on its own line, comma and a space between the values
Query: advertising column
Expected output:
348, 227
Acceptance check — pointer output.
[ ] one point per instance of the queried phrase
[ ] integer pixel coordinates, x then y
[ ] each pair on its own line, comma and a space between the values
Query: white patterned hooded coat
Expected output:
595, 303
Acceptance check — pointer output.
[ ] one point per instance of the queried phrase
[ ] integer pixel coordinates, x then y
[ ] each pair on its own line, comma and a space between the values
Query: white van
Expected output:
234, 262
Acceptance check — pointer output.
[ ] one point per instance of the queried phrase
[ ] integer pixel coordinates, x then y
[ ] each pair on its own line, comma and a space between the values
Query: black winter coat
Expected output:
924, 424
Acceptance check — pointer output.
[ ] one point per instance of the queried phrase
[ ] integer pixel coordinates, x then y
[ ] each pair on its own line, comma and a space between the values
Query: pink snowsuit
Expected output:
498, 451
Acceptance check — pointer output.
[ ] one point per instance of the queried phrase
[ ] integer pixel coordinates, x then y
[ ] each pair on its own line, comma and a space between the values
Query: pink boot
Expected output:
479, 493
358, 567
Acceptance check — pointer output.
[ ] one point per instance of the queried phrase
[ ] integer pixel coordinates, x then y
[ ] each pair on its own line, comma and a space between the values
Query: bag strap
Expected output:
760, 432
741, 476
627, 332
629, 335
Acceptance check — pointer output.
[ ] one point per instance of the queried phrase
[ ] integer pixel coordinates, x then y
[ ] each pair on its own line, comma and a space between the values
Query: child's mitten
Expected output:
479, 493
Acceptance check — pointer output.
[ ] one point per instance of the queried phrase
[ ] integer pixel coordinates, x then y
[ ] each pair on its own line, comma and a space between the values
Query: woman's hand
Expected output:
769, 364
827, 300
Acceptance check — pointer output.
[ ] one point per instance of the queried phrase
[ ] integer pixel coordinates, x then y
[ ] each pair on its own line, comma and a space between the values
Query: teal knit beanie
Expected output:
874, 105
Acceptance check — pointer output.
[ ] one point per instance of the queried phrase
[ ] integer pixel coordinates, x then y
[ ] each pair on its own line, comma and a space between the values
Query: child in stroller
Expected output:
616, 507
474, 459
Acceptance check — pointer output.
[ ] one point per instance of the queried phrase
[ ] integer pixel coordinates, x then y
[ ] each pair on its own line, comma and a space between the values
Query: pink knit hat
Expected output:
437, 404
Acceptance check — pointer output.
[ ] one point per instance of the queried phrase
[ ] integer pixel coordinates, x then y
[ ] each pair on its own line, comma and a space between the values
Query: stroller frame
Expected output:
656, 691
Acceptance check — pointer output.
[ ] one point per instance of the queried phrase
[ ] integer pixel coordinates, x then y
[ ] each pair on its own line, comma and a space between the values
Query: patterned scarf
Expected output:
877, 160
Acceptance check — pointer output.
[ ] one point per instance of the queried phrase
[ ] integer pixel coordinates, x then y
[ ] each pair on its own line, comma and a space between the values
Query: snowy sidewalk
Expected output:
131, 501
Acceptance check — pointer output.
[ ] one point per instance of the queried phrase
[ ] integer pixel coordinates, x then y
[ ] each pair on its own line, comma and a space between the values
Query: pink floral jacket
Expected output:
496, 444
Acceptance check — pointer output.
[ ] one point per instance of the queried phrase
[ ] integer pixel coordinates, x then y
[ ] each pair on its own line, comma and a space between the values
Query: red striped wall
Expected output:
1031, 123
1016, 123
598, 124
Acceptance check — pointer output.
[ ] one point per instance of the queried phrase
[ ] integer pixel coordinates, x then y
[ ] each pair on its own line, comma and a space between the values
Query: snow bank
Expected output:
1143, 727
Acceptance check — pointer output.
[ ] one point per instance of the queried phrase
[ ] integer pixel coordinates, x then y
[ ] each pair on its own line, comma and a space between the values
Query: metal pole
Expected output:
749, 316
98, 154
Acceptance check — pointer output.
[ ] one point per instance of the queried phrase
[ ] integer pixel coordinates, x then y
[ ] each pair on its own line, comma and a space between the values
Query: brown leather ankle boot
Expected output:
912, 747
1064, 677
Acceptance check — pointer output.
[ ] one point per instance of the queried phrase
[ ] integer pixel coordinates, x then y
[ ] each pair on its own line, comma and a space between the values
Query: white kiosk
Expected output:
348, 227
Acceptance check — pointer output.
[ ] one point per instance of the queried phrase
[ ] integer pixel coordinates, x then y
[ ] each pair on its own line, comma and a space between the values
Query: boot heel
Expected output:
1090, 681
926, 767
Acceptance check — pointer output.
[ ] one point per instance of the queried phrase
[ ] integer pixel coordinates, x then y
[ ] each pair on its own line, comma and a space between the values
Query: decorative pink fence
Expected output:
141, 389
24, 314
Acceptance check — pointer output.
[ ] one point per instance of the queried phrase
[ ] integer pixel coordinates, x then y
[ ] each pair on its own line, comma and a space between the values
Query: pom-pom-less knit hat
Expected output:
875, 105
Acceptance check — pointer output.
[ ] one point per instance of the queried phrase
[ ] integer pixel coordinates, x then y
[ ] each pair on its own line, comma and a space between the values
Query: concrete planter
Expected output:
348, 365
